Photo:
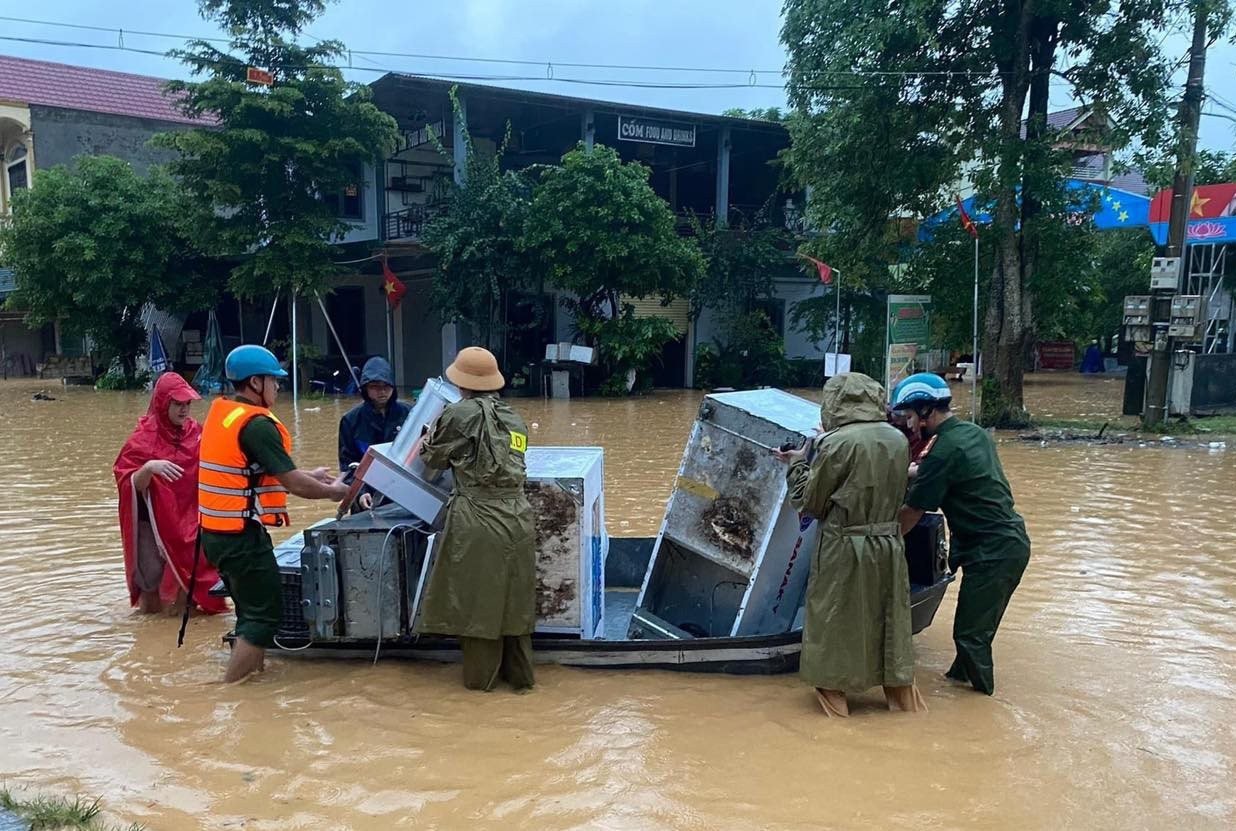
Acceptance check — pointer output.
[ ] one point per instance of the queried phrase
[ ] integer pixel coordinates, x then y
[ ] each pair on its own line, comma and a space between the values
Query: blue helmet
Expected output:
921, 388
249, 360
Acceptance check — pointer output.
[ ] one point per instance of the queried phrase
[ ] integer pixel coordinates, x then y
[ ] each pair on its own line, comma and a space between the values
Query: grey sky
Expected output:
741, 35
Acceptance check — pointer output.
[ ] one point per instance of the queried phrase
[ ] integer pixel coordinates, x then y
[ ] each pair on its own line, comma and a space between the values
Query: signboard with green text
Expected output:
907, 342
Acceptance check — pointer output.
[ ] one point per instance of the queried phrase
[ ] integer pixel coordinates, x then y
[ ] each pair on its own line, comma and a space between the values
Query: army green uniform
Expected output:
857, 629
962, 476
483, 585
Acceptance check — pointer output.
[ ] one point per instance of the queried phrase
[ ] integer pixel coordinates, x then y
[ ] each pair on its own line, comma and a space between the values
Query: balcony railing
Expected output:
408, 224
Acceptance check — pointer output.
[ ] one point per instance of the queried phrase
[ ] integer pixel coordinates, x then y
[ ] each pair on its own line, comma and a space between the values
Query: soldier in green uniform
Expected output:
483, 586
857, 630
961, 475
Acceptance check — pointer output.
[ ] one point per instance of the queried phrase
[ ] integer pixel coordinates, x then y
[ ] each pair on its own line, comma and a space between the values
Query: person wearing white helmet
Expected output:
960, 474
246, 474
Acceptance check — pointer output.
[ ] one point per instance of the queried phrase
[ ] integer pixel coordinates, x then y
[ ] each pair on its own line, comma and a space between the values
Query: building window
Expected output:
16, 170
349, 202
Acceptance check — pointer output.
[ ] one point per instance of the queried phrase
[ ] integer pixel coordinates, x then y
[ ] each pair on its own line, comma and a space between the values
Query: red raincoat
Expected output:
171, 506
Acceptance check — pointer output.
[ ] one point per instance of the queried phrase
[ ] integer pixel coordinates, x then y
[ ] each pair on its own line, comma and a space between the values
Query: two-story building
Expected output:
51, 113
708, 165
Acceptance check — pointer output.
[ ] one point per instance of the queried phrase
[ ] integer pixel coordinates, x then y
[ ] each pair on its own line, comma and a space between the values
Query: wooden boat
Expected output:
349, 634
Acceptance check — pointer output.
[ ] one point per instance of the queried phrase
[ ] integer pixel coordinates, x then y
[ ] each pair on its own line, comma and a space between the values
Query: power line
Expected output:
453, 76
549, 65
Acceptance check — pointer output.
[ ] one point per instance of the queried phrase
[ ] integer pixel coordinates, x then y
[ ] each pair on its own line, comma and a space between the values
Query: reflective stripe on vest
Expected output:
231, 489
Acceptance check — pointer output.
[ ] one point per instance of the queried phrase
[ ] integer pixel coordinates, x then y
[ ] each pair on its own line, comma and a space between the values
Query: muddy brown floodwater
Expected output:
1116, 669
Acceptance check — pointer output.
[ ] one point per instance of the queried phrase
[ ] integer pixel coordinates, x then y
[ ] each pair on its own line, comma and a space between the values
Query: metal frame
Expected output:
1204, 274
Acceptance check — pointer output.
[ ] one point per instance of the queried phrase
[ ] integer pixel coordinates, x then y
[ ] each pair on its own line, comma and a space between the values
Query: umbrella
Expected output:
209, 377
158, 355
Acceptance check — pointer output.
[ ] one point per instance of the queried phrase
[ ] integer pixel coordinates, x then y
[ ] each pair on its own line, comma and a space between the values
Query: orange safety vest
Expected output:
230, 489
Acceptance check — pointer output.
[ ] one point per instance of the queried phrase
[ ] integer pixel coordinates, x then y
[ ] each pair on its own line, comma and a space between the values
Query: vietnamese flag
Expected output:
392, 285
966, 221
826, 271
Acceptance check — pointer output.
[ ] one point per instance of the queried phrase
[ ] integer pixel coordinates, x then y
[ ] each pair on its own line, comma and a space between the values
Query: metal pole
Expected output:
837, 328
295, 373
974, 341
347, 360
240, 319
1189, 114
271, 321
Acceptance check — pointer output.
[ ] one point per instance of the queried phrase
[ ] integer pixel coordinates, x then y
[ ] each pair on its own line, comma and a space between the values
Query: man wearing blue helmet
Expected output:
960, 474
245, 477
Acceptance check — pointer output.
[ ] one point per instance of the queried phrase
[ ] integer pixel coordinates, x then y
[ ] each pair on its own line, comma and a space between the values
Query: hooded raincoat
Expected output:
364, 425
165, 514
857, 629
483, 583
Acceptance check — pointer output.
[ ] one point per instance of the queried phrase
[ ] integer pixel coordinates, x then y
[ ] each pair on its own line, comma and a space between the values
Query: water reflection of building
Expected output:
50, 113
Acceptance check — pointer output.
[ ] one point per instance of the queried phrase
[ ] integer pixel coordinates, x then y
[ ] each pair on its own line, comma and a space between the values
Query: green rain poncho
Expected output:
857, 629
483, 583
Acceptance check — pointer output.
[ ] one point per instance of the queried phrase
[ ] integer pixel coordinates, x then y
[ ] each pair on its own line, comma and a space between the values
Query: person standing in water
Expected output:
376, 419
246, 474
483, 586
857, 630
961, 475
156, 476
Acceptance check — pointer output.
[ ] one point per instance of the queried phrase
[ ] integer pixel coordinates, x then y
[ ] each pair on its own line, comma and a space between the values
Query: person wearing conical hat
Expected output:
483, 586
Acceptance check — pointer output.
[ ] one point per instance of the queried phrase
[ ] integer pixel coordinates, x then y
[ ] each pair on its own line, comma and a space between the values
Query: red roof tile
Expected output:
83, 88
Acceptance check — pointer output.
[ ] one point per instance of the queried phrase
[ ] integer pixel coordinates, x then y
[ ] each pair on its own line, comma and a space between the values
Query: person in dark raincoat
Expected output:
857, 630
376, 419
483, 585
961, 475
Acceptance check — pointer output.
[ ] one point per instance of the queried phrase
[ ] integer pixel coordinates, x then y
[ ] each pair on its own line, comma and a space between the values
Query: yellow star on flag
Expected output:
1124, 216
1196, 206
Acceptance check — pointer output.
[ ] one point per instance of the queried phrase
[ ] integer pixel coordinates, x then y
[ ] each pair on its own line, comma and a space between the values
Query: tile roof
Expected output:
83, 88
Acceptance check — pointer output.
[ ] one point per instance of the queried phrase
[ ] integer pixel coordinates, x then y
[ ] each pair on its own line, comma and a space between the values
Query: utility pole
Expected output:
1188, 117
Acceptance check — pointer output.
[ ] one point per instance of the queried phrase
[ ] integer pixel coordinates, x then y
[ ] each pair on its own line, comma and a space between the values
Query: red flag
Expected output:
394, 288
966, 221
826, 271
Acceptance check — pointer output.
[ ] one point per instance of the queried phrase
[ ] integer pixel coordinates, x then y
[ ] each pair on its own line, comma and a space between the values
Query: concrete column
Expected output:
450, 331
588, 129
723, 177
459, 145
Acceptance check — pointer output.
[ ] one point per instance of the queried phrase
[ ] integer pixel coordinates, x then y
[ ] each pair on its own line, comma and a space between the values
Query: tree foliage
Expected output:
478, 242
92, 244
1211, 167
949, 88
597, 229
271, 166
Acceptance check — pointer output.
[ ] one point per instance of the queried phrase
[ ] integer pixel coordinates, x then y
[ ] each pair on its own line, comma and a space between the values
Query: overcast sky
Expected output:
739, 35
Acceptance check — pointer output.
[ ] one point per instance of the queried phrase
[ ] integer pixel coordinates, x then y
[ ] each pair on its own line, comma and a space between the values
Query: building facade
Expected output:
51, 113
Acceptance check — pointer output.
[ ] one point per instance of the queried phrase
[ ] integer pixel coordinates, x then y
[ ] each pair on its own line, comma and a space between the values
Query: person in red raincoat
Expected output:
156, 475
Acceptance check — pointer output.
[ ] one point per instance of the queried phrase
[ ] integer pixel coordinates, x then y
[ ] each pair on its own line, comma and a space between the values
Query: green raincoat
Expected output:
857, 629
483, 583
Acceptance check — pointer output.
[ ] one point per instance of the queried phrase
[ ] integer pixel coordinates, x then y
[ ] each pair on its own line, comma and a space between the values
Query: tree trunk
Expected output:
1007, 327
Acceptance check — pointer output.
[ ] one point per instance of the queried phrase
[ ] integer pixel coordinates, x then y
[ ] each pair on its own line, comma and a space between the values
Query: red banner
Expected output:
1057, 354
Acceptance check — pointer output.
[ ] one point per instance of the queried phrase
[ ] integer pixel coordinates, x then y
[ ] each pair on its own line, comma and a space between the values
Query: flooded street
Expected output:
1116, 668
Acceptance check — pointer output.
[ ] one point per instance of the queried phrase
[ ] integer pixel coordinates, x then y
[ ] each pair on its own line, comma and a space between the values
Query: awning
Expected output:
1117, 209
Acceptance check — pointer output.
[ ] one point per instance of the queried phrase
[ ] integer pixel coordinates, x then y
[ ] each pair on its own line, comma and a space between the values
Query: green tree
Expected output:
92, 244
271, 165
598, 230
478, 243
1211, 167
898, 101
